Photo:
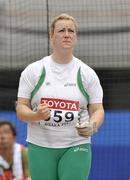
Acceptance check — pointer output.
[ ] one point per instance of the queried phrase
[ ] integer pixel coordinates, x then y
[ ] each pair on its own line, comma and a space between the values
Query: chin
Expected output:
67, 47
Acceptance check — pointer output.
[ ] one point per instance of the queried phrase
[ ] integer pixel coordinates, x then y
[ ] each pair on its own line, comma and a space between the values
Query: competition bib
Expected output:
63, 112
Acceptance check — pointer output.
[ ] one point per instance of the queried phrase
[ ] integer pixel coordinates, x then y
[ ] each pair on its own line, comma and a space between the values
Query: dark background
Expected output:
115, 83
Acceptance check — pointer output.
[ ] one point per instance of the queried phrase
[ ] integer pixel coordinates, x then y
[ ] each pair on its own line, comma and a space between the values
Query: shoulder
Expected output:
86, 71
36, 66
33, 71
24, 151
24, 154
83, 65
19, 147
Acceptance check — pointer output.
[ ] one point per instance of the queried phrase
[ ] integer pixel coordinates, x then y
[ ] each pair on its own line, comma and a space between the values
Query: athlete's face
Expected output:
64, 35
7, 138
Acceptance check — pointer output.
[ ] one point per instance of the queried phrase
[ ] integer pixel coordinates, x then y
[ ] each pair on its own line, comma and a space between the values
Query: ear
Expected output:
76, 39
51, 35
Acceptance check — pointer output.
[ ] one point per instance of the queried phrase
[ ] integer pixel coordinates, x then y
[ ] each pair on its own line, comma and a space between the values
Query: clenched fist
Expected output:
86, 128
43, 111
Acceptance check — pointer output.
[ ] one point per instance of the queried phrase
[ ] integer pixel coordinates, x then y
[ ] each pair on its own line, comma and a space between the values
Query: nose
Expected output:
66, 33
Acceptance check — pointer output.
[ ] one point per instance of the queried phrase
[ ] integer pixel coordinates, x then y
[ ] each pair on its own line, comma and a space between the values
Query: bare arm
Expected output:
25, 112
96, 113
25, 163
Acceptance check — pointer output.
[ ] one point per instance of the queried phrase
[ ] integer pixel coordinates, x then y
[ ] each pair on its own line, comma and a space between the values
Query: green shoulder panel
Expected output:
81, 86
39, 83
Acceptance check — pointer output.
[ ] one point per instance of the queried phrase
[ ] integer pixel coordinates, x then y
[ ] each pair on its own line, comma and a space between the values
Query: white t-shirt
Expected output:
61, 90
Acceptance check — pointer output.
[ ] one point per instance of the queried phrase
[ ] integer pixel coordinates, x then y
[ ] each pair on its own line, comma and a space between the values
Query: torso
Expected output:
60, 90
60, 87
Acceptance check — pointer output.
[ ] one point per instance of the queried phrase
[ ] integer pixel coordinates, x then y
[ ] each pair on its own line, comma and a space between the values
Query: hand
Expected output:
43, 112
86, 128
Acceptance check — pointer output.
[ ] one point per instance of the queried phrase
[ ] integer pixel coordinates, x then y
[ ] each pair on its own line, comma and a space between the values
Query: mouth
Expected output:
66, 42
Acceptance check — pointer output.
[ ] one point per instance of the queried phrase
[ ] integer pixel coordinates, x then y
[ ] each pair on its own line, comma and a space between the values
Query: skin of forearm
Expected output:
97, 117
26, 114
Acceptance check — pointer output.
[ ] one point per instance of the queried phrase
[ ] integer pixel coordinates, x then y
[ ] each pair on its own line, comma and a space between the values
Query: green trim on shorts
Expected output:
59, 163
40, 82
81, 86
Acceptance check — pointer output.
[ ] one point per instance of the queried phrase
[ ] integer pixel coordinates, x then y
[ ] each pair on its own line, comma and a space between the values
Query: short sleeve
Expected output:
92, 85
28, 80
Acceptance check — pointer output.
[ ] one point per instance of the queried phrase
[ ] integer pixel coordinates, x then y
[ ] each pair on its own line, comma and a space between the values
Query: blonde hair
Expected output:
62, 16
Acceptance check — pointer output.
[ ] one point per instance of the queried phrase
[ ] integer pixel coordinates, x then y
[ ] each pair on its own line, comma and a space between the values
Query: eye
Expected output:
61, 30
71, 30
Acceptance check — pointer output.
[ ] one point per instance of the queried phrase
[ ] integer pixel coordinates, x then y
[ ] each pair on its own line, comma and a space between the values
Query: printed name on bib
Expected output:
67, 105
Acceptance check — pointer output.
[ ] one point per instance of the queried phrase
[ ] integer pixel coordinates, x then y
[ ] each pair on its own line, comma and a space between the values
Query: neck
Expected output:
62, 57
